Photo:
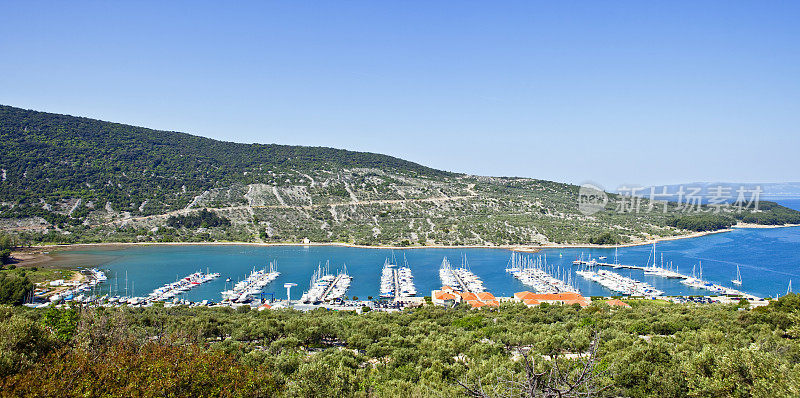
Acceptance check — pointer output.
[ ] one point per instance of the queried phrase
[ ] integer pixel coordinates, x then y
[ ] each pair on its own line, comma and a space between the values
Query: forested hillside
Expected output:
51, 156
68, 179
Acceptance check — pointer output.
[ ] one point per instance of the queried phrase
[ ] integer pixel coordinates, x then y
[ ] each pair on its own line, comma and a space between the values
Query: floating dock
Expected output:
326, 287
397, 282
461, 278
620, 284
183, 285
253, 285
693, 281
533, 272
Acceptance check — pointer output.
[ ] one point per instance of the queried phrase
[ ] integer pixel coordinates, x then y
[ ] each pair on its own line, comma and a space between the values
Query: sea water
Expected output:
767, 257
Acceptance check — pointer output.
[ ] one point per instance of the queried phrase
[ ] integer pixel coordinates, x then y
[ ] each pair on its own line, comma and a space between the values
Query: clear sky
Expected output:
613, 92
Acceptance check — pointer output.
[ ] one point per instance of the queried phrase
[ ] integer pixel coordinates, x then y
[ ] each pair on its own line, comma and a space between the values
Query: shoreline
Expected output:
41, 254
762, 226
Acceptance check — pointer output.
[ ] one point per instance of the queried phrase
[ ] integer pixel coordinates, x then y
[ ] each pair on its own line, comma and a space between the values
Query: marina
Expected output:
765, 268
397, 283
694, 281
326, 287
662, 270
536, 274
86, 291
171, 291
461, 278
620, 284
253, 285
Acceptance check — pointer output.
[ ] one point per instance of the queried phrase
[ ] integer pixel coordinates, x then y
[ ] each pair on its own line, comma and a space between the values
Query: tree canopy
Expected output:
651, 349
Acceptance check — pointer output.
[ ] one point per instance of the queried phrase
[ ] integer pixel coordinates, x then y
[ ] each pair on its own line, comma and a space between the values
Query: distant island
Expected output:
69, 179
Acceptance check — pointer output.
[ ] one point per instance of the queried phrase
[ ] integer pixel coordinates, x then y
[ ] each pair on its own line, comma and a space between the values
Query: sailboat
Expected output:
738, 280
652, 269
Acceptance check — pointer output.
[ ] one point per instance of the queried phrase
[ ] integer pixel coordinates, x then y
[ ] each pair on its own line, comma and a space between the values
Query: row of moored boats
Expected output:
461, 278
620, 284
327, 287
83, 291
253, 285
535, 272
171, 291
397, 282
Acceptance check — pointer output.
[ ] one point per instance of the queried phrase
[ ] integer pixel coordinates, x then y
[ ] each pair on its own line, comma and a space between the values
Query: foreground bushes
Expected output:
651, 349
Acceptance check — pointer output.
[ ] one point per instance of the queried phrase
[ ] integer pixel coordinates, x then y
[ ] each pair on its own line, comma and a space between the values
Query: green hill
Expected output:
74, 179
46, 154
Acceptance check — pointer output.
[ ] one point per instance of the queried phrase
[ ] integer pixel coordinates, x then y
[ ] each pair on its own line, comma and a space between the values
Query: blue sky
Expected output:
612, 92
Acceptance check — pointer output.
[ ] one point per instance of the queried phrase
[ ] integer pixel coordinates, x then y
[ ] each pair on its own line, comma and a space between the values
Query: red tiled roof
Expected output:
486, 296
476, 303
531, 302
523, 295
618, 303
444, 296
583, 303
469, 296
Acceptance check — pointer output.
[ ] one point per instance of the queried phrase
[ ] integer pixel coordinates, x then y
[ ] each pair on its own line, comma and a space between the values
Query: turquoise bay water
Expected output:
768, 259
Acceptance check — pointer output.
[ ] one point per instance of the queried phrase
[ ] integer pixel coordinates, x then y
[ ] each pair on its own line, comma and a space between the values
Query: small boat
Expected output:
738, 280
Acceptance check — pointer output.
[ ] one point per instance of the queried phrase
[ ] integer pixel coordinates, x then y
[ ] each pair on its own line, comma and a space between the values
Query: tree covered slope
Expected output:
49, 154
74, 179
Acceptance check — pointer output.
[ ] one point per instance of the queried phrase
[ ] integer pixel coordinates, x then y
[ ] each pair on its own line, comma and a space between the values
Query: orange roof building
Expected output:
531, 302
444, 296
617, 303
486, 296
568, 298
447, 296
468, 296
476, 303
526, 295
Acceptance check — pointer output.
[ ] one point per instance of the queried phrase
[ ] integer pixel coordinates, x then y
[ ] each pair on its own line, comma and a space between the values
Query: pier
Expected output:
252, 285
593, 263
183, 285
693, 281
461, 277
461, 284
331, 286
534, 273
397, 283
621, 284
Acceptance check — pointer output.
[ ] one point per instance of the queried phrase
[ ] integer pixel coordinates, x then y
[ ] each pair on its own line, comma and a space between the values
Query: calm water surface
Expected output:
768, 259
